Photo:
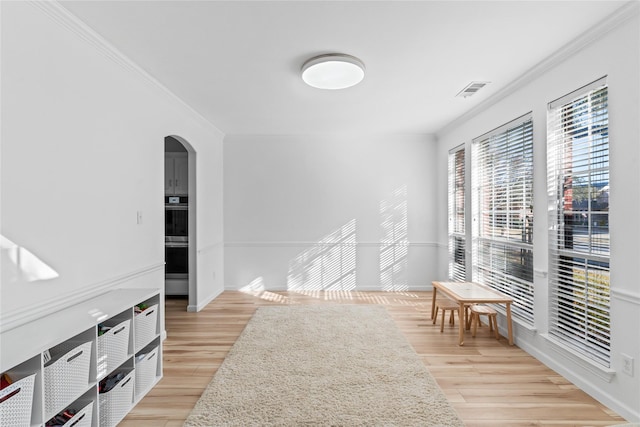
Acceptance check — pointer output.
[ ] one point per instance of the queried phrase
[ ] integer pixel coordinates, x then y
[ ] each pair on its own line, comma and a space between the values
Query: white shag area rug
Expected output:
325, 365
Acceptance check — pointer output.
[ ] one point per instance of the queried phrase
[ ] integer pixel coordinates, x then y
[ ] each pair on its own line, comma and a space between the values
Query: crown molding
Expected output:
66, 19
614, 20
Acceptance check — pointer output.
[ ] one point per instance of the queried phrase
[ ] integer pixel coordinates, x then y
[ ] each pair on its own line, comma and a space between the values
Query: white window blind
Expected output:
457, 238
503, 212
578, 186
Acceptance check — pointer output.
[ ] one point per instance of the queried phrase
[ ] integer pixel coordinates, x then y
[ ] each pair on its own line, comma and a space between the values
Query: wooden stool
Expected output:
467, 316
444, 305
492, 316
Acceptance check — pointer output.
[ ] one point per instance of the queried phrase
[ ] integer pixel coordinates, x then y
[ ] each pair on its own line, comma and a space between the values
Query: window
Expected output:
503, 212
457, 245
578, 184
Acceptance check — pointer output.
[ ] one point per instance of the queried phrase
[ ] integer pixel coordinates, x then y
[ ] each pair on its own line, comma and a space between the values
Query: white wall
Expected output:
310, 212
209, 221
615, 54
82, 153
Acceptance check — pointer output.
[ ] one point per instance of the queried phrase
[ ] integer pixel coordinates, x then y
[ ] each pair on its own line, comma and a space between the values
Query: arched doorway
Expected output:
180, 219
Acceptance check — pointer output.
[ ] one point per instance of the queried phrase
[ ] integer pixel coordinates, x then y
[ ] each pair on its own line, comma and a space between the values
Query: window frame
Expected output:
579, 262
457, 215
505, 262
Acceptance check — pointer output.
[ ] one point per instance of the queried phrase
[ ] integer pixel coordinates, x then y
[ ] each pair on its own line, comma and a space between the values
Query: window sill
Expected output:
606, 374
523, 325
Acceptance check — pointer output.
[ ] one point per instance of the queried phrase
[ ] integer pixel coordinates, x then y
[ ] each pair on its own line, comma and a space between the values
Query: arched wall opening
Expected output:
180, 198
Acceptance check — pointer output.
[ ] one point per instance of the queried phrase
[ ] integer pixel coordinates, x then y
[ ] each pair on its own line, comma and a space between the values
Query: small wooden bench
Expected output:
445, 304
492, 317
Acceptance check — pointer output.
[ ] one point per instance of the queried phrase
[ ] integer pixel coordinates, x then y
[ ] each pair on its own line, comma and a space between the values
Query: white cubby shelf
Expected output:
58, 362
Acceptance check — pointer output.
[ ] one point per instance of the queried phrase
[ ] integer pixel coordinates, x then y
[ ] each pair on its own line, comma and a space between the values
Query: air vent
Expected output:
471, 89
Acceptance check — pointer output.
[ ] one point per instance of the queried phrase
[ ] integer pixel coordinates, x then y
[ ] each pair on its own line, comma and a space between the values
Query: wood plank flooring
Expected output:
489, 382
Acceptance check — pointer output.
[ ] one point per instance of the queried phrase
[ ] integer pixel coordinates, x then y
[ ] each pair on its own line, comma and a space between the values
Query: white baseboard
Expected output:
567, 366
203, 303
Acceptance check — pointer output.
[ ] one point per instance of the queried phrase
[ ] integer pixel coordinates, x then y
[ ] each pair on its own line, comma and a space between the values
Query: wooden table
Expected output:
471, 293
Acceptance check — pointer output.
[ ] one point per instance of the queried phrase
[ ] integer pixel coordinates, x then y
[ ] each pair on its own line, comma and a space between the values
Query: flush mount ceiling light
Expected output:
333, 71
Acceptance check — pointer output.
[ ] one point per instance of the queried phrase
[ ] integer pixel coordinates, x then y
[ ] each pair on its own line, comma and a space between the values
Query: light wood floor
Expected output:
488, 382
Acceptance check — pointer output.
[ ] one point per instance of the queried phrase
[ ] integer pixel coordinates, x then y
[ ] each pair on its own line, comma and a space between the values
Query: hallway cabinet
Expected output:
176, 174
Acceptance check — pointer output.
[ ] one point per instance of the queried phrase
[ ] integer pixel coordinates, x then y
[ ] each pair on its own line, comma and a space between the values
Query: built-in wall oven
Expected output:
176, 217
177, 260
176, 252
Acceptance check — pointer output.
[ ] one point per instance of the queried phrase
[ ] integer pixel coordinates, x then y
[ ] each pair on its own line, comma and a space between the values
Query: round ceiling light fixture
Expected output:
333, 71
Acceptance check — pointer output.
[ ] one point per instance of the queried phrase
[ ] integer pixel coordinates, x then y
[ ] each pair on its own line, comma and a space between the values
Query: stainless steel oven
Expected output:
176, 246
176, 255
176, 217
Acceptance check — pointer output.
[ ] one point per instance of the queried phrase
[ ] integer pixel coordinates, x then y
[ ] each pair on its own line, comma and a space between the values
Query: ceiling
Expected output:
238, 62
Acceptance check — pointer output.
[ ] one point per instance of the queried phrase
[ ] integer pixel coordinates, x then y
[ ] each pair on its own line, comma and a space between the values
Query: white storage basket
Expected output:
115, 403
146, 371
66, 378
16, 401
82, 418
145, 325
113, 347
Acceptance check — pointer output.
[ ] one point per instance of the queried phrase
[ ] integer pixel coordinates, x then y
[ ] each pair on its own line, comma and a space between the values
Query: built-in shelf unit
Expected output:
94, 361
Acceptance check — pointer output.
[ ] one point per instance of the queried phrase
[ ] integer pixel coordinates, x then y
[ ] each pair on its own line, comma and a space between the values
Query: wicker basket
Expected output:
82, 418
115, 403
16, 401
146, 371
145, 325
113, 348
66, 378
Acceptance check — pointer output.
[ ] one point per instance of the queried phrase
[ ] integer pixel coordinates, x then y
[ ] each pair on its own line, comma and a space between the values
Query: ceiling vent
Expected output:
471, 89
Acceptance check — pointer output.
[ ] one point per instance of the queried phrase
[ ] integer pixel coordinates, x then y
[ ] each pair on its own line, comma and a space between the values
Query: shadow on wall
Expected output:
329, 265
394, 243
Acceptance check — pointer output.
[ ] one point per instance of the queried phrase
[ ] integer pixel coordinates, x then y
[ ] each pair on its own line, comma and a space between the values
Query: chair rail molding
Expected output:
209, 247
308, 244
15, 318
628, 296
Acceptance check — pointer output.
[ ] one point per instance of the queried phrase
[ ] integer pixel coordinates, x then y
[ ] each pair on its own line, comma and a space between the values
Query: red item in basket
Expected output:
5, 381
